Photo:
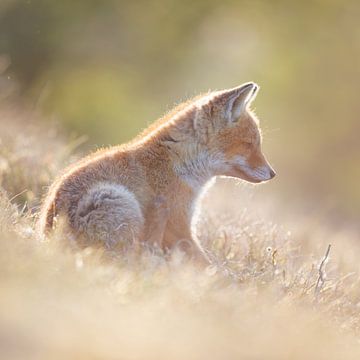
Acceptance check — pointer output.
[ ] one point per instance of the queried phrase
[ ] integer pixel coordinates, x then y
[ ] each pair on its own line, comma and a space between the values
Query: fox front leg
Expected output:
159, 219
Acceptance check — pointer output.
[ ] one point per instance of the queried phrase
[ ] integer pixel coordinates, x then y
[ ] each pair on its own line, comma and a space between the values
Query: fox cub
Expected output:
145, 190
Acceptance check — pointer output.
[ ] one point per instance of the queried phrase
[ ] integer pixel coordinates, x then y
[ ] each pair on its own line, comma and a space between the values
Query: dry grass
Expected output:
257, 300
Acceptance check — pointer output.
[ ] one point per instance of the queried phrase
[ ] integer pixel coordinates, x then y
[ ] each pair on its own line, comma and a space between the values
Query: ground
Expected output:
267, 293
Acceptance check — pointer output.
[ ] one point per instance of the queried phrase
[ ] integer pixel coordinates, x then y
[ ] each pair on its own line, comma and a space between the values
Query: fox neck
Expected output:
199, 167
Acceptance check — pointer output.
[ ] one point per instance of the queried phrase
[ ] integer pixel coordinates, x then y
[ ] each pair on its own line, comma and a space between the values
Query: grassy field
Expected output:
270, 291
273, 288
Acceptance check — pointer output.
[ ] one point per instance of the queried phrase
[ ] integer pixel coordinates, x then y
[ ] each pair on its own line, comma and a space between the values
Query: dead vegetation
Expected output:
267, 293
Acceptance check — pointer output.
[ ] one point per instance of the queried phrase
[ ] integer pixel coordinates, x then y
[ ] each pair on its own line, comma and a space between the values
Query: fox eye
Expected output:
247, 144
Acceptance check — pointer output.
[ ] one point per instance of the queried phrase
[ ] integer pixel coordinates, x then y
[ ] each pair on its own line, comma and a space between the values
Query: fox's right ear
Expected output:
236, 100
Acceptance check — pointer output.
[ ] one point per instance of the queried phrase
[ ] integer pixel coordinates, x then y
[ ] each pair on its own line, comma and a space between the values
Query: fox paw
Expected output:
160, 205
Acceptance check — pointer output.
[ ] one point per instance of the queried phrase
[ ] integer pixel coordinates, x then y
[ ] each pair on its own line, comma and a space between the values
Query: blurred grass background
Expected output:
107, 68
95, 72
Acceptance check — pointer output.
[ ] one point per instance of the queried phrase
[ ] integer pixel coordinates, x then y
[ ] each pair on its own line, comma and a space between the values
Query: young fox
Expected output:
145, 190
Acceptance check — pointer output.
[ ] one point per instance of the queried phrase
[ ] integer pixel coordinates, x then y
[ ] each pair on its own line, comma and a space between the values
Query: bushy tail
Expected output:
46, 219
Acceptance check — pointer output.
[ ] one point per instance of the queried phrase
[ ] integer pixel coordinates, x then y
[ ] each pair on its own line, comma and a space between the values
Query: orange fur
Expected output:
145, 190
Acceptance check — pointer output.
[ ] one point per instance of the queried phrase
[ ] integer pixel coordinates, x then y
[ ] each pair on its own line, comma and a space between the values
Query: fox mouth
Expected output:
255, 176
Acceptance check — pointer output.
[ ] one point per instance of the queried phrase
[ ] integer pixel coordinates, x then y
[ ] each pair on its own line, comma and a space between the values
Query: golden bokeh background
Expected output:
107, 68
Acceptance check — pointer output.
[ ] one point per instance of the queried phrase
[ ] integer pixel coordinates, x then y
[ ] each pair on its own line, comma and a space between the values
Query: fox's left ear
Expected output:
236, 100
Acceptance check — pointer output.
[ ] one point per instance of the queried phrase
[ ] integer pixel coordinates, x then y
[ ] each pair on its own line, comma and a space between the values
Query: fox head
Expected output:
225, 136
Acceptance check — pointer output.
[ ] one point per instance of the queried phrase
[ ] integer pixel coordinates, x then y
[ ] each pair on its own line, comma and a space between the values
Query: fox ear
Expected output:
236, 100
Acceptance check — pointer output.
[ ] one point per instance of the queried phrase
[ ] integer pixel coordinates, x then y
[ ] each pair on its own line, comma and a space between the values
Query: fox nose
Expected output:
272, 173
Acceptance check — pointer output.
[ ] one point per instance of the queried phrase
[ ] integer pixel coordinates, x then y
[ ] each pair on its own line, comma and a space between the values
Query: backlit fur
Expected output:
145, 190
